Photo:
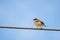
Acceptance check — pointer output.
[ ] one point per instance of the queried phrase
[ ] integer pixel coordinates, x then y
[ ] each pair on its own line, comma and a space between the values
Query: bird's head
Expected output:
35, 19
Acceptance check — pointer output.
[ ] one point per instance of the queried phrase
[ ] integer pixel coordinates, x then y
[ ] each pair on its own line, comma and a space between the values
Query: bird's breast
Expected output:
38, 23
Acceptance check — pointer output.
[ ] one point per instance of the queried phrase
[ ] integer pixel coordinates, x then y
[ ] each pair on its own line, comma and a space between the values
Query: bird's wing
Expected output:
43, 23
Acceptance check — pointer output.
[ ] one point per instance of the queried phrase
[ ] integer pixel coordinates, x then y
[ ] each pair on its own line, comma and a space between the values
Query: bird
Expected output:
38, 23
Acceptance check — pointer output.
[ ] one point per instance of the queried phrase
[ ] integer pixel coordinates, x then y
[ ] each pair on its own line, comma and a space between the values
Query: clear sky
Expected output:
22, 13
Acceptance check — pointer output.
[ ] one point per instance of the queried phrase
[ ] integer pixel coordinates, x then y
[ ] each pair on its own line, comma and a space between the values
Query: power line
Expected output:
15, 27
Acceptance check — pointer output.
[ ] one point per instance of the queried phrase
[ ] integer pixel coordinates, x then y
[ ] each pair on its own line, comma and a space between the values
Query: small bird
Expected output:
39, 23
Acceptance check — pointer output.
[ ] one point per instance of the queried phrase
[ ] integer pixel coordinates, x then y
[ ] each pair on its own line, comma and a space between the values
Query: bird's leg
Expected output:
39, 27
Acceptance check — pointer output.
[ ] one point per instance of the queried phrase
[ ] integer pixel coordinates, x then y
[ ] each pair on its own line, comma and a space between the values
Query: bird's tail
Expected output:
44, 25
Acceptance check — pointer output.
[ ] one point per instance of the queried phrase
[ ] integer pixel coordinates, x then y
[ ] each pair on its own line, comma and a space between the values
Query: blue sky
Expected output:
22, 13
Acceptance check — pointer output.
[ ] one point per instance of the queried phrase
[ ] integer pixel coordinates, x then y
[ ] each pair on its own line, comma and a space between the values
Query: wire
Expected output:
15, 27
